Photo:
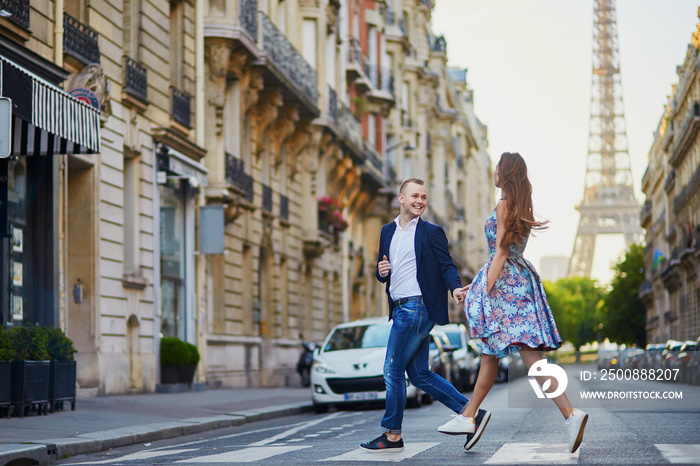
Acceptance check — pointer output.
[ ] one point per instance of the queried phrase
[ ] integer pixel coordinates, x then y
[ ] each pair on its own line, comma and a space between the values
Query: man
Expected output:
416, 266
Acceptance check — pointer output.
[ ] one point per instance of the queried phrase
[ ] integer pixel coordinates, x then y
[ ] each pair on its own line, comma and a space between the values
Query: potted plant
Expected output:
174, 354
5, 371
62, 380
31, 369
187, 371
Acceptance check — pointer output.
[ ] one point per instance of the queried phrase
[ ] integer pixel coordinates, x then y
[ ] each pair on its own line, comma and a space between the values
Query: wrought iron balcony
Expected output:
355, 52
645, 288
267, 198
670, 180
248, 17
373, 157
685, 137
277, 48
19, 10
284, 207
236, 175
135, 79
181, 109
402, 27
80, 40
687, 192
332, 104
389, 17
381, 78
350, 127
645, 214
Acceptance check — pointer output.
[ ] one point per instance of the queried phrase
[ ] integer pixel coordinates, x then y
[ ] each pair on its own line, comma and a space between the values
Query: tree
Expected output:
623, 312
575, 306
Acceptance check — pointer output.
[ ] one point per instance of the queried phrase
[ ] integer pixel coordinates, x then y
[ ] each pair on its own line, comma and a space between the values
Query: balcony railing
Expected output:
645, 214
389, 17
355, 54
686, 136
372, 156
135, 79
282, 53
687, 192
381, 78
236, 175
645, 288
402, 27
284, 207
267, 198
80, 41
181, 110
670, 180
248, 14
19, 10
350, 128
332, 104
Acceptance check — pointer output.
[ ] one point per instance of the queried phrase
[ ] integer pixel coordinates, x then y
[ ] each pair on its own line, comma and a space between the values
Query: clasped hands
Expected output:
458, 294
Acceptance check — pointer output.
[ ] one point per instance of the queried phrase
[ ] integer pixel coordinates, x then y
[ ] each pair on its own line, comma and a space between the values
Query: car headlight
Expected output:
321, 369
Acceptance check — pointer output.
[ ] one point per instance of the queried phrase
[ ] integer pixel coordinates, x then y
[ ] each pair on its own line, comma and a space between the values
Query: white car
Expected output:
349, 366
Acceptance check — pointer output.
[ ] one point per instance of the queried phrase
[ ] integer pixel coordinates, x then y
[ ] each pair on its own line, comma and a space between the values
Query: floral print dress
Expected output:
516, 312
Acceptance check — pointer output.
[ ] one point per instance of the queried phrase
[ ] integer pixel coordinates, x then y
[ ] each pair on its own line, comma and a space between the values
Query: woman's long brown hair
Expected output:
516, 187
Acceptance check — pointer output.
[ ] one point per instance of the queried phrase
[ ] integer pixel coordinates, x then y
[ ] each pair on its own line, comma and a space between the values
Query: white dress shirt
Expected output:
402, 256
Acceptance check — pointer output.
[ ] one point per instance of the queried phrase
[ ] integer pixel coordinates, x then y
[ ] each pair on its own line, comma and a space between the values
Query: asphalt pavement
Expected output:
104, 422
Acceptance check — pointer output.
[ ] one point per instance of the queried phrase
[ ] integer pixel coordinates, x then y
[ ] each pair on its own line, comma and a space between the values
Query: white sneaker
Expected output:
574, 429
458, 425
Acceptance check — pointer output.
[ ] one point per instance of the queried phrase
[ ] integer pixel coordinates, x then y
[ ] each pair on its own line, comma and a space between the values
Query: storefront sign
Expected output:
5, 127
86, 96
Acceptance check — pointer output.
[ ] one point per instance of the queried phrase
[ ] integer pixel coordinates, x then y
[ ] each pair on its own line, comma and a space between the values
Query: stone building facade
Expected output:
295, 120
671, 213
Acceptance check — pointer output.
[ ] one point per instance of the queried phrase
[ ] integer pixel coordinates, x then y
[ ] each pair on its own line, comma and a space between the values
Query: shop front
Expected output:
46, 123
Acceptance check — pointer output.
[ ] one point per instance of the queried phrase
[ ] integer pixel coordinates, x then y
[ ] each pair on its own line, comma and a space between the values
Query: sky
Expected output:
529, 63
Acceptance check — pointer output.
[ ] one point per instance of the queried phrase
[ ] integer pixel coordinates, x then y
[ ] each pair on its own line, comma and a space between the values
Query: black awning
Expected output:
47, 120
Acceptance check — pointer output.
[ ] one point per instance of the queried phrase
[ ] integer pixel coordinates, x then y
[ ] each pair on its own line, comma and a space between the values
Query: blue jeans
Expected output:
407, 352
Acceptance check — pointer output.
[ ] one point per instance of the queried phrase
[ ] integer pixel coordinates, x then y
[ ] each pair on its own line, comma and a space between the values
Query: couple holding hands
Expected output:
505, 305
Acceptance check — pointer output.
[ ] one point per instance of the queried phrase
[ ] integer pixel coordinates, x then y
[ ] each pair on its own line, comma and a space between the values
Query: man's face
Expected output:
413, 200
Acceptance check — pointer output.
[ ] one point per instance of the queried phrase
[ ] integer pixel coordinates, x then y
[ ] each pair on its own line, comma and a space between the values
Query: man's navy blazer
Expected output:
437, 274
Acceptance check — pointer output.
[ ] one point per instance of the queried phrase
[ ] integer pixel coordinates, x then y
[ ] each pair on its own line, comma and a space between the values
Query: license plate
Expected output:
361, 396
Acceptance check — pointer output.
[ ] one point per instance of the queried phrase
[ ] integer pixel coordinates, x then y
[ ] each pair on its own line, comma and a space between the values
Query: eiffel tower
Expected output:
608, 206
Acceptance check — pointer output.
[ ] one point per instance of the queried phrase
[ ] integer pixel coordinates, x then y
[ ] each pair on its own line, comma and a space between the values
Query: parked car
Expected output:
511, 362
652, 356
442, 356
632, 358
465, 358
669, 355
348, 368
687, 361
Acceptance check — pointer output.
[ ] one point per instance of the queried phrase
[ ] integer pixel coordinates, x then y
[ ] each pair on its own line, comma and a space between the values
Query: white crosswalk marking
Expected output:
244, 456
533, 453
140, 455
409, 451
687, 454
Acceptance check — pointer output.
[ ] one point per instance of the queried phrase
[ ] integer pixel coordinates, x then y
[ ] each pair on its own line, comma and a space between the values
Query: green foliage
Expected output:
5, 347
175, 352
28, 343
58, 345
624, 315
575, 304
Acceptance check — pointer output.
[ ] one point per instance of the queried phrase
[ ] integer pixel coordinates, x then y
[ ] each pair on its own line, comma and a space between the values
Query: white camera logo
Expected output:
542, 368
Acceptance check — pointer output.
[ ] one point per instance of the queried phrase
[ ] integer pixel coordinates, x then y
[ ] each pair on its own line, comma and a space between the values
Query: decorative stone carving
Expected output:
251, 83
266, 112
217, 57
92, 77
281, 129
296, 144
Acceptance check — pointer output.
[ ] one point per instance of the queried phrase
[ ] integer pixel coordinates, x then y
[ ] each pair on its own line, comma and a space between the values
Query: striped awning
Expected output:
47, 120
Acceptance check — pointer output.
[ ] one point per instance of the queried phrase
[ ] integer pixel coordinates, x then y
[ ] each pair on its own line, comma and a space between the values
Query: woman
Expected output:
506, 304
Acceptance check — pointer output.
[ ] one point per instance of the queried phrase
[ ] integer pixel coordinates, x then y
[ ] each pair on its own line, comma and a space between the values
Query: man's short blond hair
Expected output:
410, 180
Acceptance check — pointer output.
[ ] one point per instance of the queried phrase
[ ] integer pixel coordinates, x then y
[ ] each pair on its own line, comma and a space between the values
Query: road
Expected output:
638, 435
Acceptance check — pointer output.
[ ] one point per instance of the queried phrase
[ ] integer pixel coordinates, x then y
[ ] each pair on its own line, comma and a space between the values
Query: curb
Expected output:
45, 452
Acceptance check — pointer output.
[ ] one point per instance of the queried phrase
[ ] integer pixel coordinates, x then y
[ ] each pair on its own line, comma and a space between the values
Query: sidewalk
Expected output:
100, 423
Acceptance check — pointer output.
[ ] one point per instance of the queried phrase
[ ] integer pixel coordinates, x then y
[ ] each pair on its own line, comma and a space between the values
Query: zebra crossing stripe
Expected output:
140, 455
409, 451
687, 454
246, 455
533, 453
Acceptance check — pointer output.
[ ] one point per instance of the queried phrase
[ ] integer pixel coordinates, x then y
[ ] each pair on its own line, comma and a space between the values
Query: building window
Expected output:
309, 41
177, 42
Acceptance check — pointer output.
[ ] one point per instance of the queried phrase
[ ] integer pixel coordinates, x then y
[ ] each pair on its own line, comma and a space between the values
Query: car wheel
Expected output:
321, 409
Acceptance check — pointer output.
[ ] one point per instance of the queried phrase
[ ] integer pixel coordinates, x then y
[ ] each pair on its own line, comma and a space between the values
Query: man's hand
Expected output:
384, 267
458, 295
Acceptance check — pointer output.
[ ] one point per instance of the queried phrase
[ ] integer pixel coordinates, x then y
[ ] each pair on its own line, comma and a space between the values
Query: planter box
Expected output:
169, 374
62, 384
30, 385
186, 374
5, 384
